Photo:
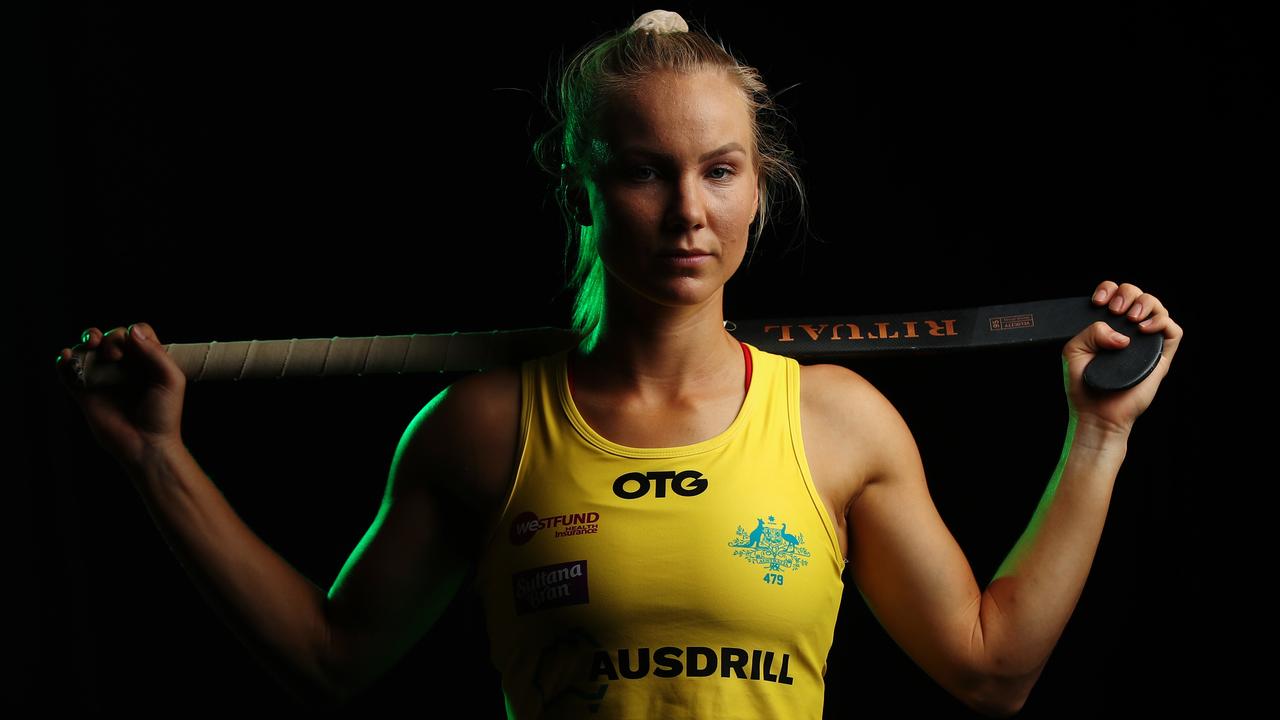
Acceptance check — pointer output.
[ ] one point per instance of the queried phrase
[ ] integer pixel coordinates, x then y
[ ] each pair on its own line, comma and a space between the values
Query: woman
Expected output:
666, 512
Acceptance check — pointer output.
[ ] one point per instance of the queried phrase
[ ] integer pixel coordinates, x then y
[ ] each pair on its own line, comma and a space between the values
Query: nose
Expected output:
688, 208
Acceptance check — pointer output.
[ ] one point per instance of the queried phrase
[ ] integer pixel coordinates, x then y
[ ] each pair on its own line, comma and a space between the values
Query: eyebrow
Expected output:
723, 149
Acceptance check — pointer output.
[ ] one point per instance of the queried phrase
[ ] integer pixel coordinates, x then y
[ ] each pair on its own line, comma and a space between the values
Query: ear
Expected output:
576, 199
579, 202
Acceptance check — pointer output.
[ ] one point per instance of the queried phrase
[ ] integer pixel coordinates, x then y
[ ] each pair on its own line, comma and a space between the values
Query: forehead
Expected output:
675, 112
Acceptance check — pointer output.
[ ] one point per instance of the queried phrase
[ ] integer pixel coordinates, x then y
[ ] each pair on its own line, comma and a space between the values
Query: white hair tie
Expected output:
660, 21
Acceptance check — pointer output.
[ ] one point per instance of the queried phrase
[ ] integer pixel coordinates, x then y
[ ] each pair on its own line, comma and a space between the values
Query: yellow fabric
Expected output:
700, 581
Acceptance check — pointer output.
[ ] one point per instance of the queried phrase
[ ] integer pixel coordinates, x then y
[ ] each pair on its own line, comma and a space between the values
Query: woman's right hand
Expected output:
144, 412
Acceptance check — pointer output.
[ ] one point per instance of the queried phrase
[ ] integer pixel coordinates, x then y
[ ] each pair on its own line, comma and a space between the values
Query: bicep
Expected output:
410, 563
908, 567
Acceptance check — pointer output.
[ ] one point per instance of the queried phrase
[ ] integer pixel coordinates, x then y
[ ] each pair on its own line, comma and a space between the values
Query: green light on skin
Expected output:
1042, 508
1092, 479
1016, 555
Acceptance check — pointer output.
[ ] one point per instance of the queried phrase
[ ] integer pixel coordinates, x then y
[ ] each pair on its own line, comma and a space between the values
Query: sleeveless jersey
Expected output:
700, 581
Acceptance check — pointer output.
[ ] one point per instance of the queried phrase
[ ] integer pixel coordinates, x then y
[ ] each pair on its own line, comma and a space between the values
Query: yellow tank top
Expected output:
700, 581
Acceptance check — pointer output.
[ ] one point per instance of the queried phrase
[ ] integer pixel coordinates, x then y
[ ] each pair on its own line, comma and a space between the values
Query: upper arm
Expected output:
908, 567
422, 544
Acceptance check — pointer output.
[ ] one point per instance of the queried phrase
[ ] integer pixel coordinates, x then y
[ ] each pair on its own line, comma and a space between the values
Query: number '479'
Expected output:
773, 578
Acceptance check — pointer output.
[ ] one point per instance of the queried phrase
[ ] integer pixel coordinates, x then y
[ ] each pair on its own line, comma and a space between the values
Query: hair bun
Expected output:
660, 21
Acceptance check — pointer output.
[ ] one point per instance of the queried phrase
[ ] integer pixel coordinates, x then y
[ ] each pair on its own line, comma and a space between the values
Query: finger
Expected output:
62, 362
1156, 322
91, 337
1106, 336
67, 364
148, 332
1103, 293
67, 370
1172, 339
1143, 305
113, 344
1124, 297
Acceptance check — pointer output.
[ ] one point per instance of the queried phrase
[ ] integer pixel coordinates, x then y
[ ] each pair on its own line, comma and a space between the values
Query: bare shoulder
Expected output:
835, 389
468, 433
843, 392
851, 421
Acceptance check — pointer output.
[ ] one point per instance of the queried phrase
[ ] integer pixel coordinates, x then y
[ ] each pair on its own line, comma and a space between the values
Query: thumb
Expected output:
1104, 336
1096, 337
152, 357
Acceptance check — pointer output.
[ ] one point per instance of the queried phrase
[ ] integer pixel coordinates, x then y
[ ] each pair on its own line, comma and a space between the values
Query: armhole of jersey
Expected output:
797, 443
528, 386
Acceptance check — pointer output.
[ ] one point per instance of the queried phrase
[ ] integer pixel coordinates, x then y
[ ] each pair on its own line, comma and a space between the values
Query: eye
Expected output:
640, 173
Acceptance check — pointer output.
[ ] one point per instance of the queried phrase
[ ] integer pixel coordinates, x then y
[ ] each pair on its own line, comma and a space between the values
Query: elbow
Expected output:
314, 696
343, 676
314, 689
1002, 688
326, 697
999, 697
334, 700
1002, 711
995, 707
335, 691
332, 689
325, 691
327, 701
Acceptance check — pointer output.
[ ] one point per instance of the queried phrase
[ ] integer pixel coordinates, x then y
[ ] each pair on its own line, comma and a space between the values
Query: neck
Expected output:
658, 352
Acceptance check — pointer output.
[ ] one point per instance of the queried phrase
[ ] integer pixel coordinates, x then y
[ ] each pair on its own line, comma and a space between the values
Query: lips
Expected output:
689, 259
685, 253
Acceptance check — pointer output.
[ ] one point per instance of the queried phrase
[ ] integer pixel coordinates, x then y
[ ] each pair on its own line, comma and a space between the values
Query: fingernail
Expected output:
135, 331
1120, 337
84, 336
1101, 294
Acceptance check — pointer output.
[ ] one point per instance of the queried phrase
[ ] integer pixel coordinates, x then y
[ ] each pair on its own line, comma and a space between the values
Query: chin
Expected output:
678, 287
685, 294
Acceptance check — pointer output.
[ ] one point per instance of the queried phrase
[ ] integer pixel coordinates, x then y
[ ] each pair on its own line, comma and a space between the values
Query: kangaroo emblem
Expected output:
769, 544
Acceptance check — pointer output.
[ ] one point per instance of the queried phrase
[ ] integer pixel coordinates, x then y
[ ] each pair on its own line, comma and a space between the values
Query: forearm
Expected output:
275, 611
1034, 592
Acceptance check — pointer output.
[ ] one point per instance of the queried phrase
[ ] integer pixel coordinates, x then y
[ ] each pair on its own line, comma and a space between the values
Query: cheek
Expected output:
616, 214
625, 226
736, 250
736, 221
616, 252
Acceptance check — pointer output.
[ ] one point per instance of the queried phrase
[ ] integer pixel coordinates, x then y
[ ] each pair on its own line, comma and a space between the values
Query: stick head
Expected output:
1122, 368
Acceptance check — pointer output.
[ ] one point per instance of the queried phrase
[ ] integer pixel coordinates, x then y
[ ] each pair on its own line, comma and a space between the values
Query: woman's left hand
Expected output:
1117, 411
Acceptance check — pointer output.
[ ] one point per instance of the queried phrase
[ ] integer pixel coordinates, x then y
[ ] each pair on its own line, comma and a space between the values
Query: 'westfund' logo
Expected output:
527, 524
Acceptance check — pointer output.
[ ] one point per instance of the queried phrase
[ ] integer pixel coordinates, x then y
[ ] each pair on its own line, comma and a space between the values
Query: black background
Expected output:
265, 172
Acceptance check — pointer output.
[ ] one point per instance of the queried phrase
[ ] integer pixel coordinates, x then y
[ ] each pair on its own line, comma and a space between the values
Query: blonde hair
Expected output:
615, 63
